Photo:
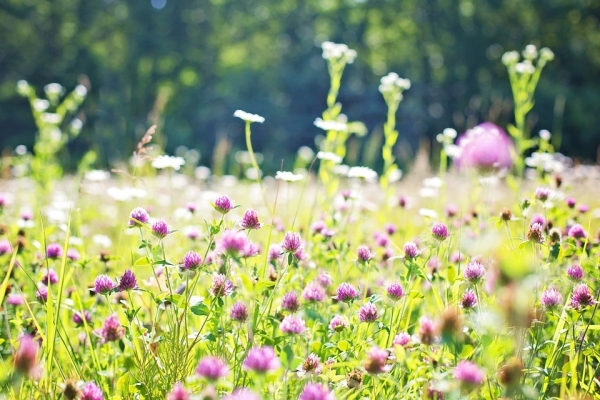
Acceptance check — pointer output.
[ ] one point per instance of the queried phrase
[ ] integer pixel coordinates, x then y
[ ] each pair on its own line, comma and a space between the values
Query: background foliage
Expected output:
188, 65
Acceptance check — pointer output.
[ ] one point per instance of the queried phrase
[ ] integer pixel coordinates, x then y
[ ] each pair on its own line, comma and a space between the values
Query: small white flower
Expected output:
450, 133
23, 87
341, 170
288, 176
365, 173
55, 89
102, 240
335, 51
392, 82
426, 212
329, 156
453, 151
248, 117
41, 105
165, 161
81, 90
51, 118
76, 124
97, 175
545, 134
525, 67
510, 58
202, 172
546, 54
433, 182
530, 52
331, 125
306, 153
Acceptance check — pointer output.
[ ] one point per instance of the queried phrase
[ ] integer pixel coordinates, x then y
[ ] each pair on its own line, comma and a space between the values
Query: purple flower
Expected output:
77, 318
160, 229
261, 360
324, 279
54, 251
577, 232
313, 292
368, 313
73, 255
232, 243
103, 284
542, 193
484, 147
250, 220
26, 355
291, 242
582, 297
469, 374
42, 294
583, 208
275, 252
536, 233
239, 312
346, 292
292, 325
338, 323
91, 391
290, 302
468, 299
112, 329
411, 251
474, 272
376, 362
390, 228
138, 216
251, 249
191, 207
439, 231
221, 286
191, 260
538, 219
15, 299
426, 330
318, 226
551, 299
178, 393
575, 273
315, 391
192, 232
364, 254
3, 201
5, 247
312, 364
395, 291
401, 339
223, 204
127, 282
381, 239
570, 202
50, 277
212, 368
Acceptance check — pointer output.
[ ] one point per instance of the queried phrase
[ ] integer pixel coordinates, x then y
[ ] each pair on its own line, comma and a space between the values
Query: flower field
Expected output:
328, 282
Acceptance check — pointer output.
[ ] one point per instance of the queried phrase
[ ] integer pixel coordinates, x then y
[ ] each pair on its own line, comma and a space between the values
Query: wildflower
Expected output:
434, 394
331, 126
3, 201
112, 329
468, 299
26, 356
78, 318
191, 232
575, 273
275, 252
577, 232
411, 251
338, 51
54, 251
338, 323
290, 302
232, 243
381, 239
261, 360
582, 297
165, 161
5, 247
426, 330
395, 291
103, 284
71, 391
324, 279
239, 312
354, 379
221, 286
250, 220
362, 173
551, 299
364, 254
469, 374
474, 272
250, 118
73, 255
42, 294
393, 83
570, 202
178, 392
368, 313
401, 339
242, 394
127, 282
538, 219
328, 156
346, 292
288, 176
292, 325
160, 229
542, 194
191, 260
439, 231
138, 216
313, 292
212, 368
484, 147
291, 242
506, 215
91, 391
50, 277
376, 362
251, 249
15, 299
316, 391
223, 204
511, 372
583, 208
536, 233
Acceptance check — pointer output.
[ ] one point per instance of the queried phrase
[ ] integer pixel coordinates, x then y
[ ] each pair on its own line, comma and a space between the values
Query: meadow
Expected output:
478, 280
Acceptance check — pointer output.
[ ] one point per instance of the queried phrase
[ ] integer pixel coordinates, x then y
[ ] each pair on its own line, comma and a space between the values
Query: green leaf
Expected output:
142, 262
343, 345
200, 309
288, 355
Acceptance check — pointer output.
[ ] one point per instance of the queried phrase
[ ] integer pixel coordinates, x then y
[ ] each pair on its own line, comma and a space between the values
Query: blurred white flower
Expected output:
433, 182
41, 104
51, 118
306, 153
248, 117
450, 133
510, 58
525, 67
23, 87
81, 90
202, 172
341, 170
530, 52
288, 176
97, 175
329, 156
545, 134
54, 89
546, 54
336, 51
331, 125
125, 194
392, 82
102, 240
165, 161
453, 151
365, 173
428, 213
76, 124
